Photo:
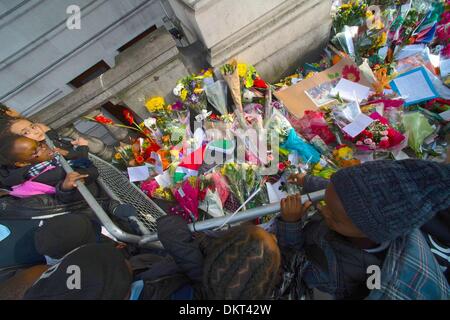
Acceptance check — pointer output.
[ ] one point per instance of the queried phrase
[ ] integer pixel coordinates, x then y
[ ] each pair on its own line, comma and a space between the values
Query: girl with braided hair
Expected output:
240, 263
244, 264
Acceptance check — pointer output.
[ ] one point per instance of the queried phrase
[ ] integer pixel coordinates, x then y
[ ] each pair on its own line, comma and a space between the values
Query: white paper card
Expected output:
414, 87
164, 179
445, 67
140, 173
400, 155
409, 50
107, 234
274, 193
158, 162
199, 136
445, 115
356, 127
350, 91
294, 158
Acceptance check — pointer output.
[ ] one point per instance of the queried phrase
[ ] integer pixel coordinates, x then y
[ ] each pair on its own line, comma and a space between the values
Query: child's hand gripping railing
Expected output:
246, 215
95, 206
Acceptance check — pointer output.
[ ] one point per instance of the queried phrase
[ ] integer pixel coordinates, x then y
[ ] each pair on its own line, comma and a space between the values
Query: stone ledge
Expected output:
159, 83
197, 5
133, 65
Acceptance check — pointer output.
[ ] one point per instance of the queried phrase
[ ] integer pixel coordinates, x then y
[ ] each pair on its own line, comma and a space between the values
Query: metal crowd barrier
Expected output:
118, 187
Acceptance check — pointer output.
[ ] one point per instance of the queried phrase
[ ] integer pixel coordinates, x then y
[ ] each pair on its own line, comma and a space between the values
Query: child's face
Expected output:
27, 151
335, 217
26, 128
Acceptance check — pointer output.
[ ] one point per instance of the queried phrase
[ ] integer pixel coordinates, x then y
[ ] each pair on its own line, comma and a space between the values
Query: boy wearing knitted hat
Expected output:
369, 219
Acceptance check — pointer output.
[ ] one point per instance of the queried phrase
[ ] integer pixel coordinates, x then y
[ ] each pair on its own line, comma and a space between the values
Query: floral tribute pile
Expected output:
349, 107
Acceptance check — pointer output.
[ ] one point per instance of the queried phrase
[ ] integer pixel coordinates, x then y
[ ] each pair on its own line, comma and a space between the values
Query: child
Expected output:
40, 164
243, 264
104, 275
37, 131
14, 125
370, 218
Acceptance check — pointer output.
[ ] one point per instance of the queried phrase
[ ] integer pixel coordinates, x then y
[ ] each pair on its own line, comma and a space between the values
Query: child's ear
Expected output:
21, 164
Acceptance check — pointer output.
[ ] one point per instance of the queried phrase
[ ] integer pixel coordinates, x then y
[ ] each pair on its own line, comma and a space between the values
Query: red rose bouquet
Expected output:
379, 135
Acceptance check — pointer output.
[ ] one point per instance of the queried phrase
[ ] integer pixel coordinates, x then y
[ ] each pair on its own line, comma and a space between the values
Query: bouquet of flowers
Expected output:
313, 124
378, 135
128, 115
187, 196
343, 156
217, 95
135, 154
157, 106
232, 171
418, 129
289, 139
123, 156
349, 14
191, 90
244, 181
231, 75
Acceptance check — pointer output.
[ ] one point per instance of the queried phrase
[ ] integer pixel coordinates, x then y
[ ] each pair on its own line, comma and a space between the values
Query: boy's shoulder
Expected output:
411, 272
11, 176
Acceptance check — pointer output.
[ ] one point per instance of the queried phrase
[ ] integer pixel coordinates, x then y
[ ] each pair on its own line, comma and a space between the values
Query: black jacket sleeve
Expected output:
78, 152
74, 195
12, 176
177, 239
57, 175
312, 183
74, 153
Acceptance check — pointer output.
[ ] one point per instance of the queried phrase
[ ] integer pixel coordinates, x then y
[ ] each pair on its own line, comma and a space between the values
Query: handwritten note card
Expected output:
138, 173
414, 86
356, 127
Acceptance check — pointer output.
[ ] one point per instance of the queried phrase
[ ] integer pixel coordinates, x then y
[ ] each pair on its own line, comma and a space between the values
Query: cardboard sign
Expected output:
297, 100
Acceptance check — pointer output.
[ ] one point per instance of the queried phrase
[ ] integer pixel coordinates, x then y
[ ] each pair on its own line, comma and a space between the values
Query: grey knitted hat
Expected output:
387, 199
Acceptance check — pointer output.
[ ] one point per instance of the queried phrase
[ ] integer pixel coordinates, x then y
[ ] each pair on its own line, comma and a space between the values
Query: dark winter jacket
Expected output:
330, 262
12, 176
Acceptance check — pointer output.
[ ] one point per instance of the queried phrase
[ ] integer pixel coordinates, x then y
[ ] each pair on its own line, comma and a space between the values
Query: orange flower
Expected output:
166, 138
336, 58
383, 80
165, 158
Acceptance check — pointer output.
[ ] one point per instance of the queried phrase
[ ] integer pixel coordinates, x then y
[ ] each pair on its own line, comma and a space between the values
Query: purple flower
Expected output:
194, 98
177, 106
276, 104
